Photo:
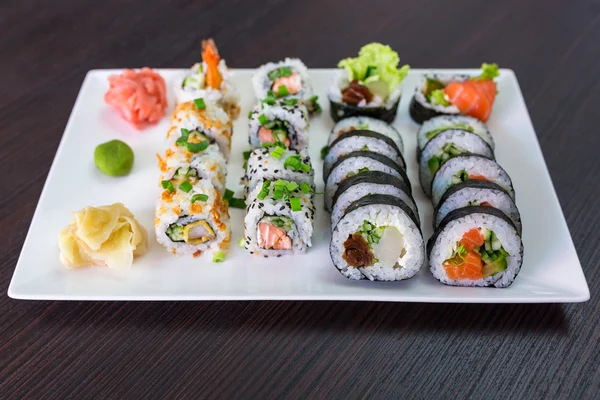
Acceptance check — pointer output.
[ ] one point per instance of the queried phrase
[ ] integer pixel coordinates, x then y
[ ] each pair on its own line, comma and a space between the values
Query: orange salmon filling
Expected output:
472, 267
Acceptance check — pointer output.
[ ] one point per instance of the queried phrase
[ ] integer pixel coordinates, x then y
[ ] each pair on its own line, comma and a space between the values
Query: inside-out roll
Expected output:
287, 124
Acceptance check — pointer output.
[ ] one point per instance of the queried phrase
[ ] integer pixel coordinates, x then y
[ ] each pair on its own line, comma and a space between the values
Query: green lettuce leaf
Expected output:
377, 68
488, 71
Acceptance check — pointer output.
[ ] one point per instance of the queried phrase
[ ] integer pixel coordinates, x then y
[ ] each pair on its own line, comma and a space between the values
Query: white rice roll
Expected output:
291, 121
475, 193
179, 165
285, 231
262, 83
366, 123
378, 238
436, 125
444, 146
468, 167
263, 165
443, 246
362, 140
186, 227
369, 183
192, 85
353, 163
212, 121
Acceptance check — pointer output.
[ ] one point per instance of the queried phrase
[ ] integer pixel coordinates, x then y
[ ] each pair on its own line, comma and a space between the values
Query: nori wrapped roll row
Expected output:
437, 125
279, 218
476, 193
378, 238
279, 124
368, 85
444, 146
366, 184
362, 140
354, 163
467, 167
475, 246
277, 163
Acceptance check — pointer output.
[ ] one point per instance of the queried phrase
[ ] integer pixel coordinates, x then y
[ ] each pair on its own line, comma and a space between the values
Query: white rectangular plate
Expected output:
551, 270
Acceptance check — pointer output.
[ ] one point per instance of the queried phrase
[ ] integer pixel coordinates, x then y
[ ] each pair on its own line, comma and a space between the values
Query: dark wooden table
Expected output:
299, 349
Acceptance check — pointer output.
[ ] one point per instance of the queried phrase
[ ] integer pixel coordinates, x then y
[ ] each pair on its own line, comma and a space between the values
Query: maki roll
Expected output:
362, 141
196, 122
444, 146
191, 219
284, 80
366, 184
368, 85
209, 80
180, 164
274, 163
354, 163
447, 94
279, 123
476, 246
436, 125
279, 218
350, 124
377, 238
477, 193
468, 167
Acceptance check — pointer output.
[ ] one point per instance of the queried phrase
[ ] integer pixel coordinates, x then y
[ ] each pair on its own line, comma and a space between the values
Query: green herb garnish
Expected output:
218, 256
324, 151
262, 119
168, 185
278, 152
199, 102
186, 186
282, 90
305, 187
290, 102
199, 197
197, 147
295, 204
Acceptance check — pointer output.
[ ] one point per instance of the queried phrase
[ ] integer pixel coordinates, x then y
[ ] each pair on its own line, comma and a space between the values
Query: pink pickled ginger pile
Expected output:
139, 96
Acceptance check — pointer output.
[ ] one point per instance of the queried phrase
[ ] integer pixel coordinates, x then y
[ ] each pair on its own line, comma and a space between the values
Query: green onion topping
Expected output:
186, 186
324, 151
196, 147
234, 202
295, 204
228, 195
246, 154
305, 187
168, 185
282, 90
291, 186
290, 102
278, 152
242, 243
262, 118
199, 197
218, 256
200, 104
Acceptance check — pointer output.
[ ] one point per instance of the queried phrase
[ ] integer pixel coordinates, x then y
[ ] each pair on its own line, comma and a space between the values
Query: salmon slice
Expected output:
473, 97
266, 136
272, 237
293, 83
470, 269
472, 239
478, 177
486, 203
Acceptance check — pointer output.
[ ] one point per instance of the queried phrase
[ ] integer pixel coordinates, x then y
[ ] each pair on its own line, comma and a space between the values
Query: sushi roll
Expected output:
368, 85
436, 125
444, 146
191, 219
279, 123
366, 184
279, 218
468, 167
448, 94
377, 238
476, 246
197, 121
180, 164
362, 140
350, 124
277, 163
284, 80
476, 193
209, 80
354, 163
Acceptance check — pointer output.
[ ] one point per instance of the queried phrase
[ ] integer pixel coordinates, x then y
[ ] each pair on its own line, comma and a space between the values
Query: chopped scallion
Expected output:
282, 90
295, 204
168, 185
278, 152
199, 197
200, 104
291, 186
218, 256
305, 187
262, 118
197, 147
234, 202
186, 186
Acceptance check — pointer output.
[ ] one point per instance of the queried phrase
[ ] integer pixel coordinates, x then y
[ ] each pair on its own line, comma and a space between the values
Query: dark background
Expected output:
297, 349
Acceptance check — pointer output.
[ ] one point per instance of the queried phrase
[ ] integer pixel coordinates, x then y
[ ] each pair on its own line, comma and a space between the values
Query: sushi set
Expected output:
369, 181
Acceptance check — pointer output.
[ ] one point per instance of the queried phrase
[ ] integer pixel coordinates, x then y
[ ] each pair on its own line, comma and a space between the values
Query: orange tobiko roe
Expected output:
139, 96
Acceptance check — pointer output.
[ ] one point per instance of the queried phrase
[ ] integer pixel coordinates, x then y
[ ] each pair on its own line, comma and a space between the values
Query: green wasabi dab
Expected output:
114, 158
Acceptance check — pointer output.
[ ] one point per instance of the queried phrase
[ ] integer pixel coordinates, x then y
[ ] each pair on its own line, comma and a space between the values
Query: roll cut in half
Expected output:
476, 246
378, 238
444, 146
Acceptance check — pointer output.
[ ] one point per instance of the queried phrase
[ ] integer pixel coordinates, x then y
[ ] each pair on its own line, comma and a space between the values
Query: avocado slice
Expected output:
493, 265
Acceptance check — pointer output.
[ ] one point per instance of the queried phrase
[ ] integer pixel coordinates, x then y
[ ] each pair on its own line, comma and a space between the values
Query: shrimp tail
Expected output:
210, 56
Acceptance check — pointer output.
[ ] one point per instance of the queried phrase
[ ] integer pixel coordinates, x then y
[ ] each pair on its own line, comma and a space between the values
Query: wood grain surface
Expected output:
299, 349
